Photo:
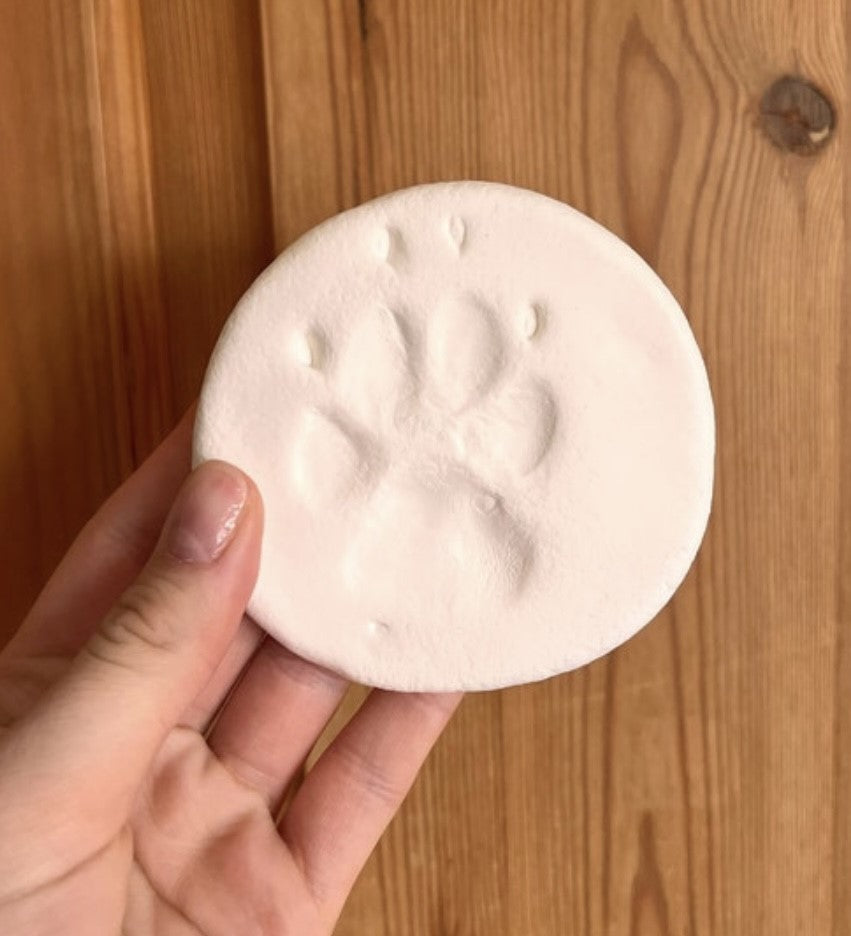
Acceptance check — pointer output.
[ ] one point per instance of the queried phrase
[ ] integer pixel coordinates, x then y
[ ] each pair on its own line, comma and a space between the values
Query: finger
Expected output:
357, 785
204, 707
105, 558
25, 679
97, 729
107, 555
269, 724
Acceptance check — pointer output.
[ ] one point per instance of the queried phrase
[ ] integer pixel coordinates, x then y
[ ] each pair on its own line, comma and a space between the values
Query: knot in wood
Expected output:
797, 116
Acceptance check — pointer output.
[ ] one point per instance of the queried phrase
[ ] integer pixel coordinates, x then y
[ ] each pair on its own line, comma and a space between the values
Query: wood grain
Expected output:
698, 780
137, 194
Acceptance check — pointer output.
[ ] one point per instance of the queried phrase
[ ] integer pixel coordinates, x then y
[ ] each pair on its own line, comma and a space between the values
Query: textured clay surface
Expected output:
483, 434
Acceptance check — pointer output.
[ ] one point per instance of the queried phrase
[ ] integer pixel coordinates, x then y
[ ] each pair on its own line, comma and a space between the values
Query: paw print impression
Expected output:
430, 425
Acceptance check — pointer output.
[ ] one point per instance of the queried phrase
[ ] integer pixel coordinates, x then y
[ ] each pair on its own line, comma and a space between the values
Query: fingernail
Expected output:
206, 513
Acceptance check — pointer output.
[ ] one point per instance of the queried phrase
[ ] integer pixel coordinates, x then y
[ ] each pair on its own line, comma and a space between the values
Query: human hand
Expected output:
149, 733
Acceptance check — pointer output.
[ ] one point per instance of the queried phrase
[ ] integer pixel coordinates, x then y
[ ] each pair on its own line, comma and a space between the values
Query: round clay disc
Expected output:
483, 434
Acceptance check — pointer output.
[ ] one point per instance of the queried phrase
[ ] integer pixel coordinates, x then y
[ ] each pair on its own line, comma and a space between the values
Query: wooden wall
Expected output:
157, 153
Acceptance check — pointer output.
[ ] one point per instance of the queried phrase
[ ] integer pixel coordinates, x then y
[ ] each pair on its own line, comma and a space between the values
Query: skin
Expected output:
150, 735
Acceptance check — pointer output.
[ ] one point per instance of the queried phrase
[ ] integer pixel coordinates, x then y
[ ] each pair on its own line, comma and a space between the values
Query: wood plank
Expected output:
210, 178
65, 443
685, 784
840, 781
138, 191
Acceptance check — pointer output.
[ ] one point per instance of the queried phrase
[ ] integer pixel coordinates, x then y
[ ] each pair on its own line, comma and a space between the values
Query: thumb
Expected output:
103, 722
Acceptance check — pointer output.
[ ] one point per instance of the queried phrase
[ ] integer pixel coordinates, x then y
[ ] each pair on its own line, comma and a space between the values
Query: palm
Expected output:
200, 852
197, 847
196, 823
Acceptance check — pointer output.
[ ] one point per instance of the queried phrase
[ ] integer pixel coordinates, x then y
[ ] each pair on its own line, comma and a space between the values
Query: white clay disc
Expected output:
483, 434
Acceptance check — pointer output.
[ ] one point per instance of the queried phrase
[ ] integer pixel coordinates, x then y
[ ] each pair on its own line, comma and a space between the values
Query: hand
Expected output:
149, 733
